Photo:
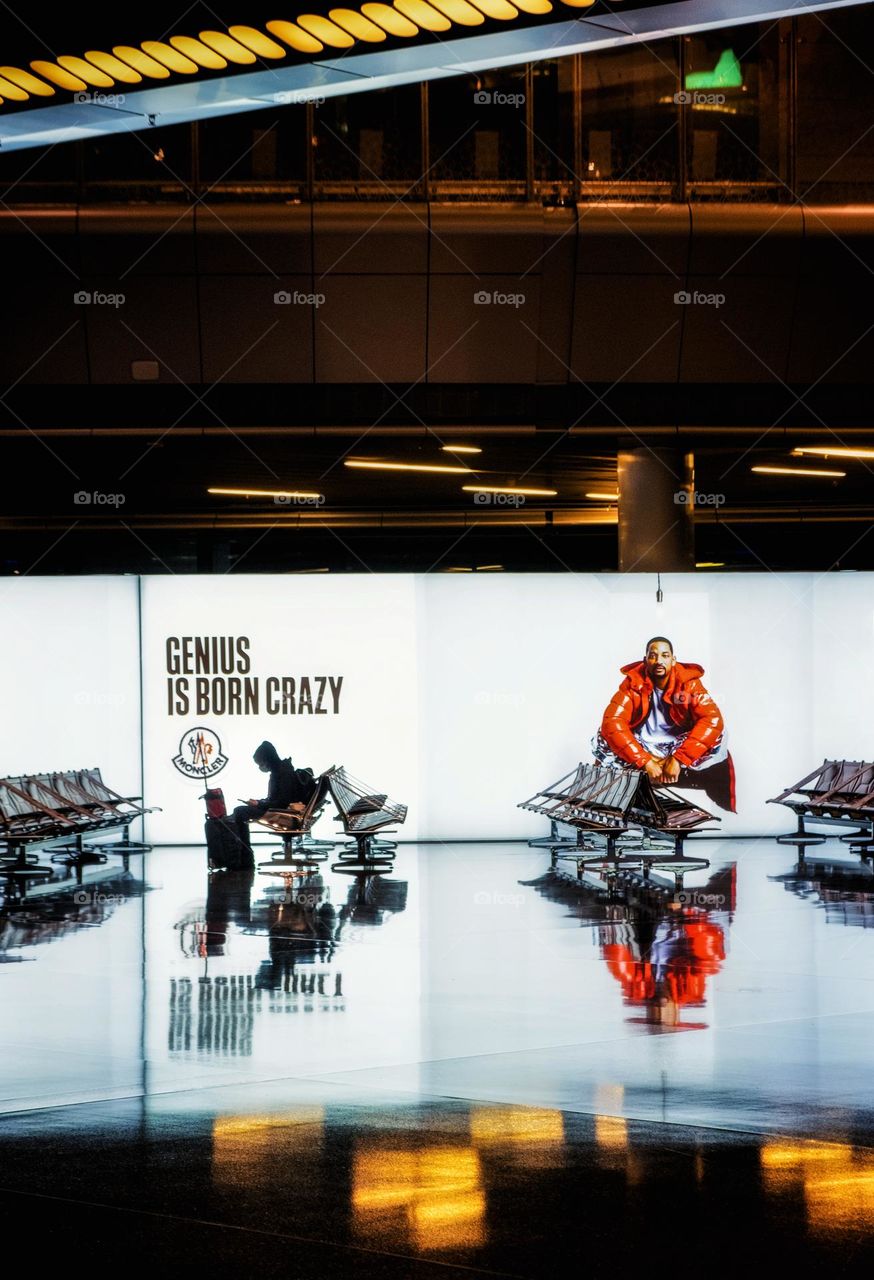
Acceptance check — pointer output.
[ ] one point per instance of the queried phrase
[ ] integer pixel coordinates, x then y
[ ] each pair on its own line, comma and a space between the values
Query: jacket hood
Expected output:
684, 670
267, 754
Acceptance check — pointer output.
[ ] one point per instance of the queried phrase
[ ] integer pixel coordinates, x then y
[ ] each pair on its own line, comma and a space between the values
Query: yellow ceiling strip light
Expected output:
199, 52
229, 48
325, 30
57, 75
169, 57
90, 74
460, 448
257, 42
394, 23
824, 452
534, 6
797, 471
367, 464
357, 25
114, 67
500, 9
13, 91
603, 497
460, 11
579, 4
24, 80
141, 62
295, 37
265, 493
497, 488
420, 12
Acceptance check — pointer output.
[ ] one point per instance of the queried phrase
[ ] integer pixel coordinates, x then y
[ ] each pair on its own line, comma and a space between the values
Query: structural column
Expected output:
656, 512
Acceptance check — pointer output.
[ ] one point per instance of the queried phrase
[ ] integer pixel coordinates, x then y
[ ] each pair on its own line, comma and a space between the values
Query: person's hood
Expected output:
267, 754
682, 671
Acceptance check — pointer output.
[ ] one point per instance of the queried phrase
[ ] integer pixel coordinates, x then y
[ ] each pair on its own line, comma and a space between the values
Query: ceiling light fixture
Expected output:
604, 497
369, 465
826, 452
797, 471
495, 488
269, 493
460, 448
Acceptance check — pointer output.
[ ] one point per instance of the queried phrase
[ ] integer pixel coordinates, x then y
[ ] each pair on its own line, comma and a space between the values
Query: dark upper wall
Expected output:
583, 295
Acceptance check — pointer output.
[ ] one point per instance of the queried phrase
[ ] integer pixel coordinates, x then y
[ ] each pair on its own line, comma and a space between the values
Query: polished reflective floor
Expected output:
468, 1062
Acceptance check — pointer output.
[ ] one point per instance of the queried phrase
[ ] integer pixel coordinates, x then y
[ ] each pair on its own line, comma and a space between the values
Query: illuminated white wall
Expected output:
70, 688
462, 694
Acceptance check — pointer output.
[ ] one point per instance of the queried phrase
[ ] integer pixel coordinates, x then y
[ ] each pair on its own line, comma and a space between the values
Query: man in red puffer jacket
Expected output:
663, 720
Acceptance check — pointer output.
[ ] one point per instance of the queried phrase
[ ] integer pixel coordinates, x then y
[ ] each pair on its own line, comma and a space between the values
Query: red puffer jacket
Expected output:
687, 702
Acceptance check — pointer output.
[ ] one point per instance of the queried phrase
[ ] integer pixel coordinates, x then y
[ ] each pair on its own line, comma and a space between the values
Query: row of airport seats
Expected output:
363, 811
58, 811
837, 794
618, 818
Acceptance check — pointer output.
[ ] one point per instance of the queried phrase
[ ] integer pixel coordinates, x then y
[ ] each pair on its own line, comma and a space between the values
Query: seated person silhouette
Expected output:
288, 785
662, 720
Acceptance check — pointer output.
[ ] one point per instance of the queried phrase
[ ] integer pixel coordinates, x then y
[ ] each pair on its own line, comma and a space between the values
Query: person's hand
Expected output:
653, 768
670, 770
253, 802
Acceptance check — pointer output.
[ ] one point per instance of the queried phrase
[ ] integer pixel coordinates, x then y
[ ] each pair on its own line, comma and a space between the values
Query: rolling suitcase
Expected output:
228, 847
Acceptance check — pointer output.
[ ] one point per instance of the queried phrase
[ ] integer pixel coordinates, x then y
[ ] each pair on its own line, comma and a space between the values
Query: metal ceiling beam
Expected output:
44, 121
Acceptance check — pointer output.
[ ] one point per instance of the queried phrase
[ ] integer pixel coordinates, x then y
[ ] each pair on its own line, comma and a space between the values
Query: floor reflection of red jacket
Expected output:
676, 967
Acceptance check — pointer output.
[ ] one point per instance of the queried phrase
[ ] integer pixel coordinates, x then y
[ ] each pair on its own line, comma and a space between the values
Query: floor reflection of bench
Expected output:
57, 811
838, 793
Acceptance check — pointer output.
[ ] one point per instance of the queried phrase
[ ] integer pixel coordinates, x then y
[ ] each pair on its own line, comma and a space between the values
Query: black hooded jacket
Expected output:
288, 785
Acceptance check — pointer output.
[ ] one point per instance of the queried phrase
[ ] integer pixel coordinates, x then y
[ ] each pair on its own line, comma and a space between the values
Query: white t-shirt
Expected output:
660, 736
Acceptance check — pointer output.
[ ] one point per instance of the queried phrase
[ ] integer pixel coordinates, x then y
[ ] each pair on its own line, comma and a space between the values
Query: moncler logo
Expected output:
200, 754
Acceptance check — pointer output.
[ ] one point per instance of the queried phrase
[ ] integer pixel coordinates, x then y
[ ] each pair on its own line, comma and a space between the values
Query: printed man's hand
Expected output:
670, 770
653, 768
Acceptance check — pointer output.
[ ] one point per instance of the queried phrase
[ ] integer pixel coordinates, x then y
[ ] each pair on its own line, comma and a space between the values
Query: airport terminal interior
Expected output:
437, 575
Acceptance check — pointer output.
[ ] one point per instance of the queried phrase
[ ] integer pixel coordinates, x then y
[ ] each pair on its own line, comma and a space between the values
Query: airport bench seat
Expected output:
595, 797
48, 807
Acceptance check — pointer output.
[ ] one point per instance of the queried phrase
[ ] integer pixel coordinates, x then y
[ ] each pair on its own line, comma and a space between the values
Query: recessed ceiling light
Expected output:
369, 465
269, 493
460, 448
797, 471
827, 452
604, 497
494, 488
